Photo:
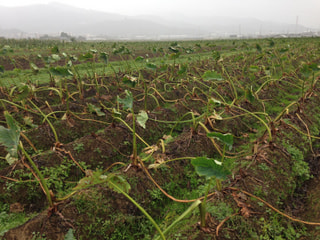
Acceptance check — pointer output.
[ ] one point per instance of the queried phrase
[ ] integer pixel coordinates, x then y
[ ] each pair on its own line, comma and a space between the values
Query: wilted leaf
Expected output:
29, 122
142, 118
9, 137
139, 59
130, 80
120, 182
225, 138
215, 116
209, 167
34, 68
10, 159
212, 75
150, 149
115, 113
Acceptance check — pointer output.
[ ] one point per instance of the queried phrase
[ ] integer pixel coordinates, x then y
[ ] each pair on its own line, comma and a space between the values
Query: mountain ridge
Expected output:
54, 18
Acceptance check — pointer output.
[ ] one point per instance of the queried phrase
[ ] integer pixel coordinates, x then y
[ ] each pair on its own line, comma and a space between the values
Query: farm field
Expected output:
160, 140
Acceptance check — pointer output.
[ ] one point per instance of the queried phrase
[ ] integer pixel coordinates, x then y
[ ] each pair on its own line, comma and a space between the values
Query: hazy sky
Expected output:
272, 10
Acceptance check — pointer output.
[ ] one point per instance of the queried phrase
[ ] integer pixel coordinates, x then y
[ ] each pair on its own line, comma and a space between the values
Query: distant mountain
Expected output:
55, 18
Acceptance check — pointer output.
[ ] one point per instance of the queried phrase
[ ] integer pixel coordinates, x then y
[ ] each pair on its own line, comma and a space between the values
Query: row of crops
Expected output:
160, 140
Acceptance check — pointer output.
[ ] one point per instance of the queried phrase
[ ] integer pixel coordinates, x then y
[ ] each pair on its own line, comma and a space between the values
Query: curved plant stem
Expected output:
46, 119
39, 174
273, 208
299, 131
141, 139
284, 110
211, 139
184, 214
140, 208
164, 192
28, 141
309, 137
255, 116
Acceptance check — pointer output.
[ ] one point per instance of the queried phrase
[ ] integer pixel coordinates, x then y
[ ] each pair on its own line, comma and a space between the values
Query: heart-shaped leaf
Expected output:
9, 137
224, 138
209, 167
127, 101
142, 118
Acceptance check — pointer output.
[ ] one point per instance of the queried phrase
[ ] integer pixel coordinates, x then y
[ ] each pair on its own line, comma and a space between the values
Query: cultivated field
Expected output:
160, 140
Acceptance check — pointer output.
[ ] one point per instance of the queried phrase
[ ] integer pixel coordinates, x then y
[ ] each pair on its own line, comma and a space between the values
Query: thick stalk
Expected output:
140, 208
203, 206
134, 141
36, 169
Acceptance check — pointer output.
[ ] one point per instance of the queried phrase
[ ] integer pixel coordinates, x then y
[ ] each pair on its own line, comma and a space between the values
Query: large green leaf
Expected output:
61, 71
9, 137
212, 75
127, 101
225, 138
209, 167
1, 68
142, 118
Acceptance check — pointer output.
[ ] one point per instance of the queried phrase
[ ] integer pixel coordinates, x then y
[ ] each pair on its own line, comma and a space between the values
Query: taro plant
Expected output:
10, 138
212, 169
141, 118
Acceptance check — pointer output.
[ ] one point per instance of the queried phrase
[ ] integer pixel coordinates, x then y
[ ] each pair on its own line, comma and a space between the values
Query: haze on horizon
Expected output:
285, 11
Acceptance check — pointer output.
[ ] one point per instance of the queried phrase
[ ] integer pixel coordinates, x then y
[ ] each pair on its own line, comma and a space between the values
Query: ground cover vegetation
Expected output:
160, 140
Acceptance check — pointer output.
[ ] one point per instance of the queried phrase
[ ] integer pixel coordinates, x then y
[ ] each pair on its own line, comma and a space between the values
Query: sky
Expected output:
306, 12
